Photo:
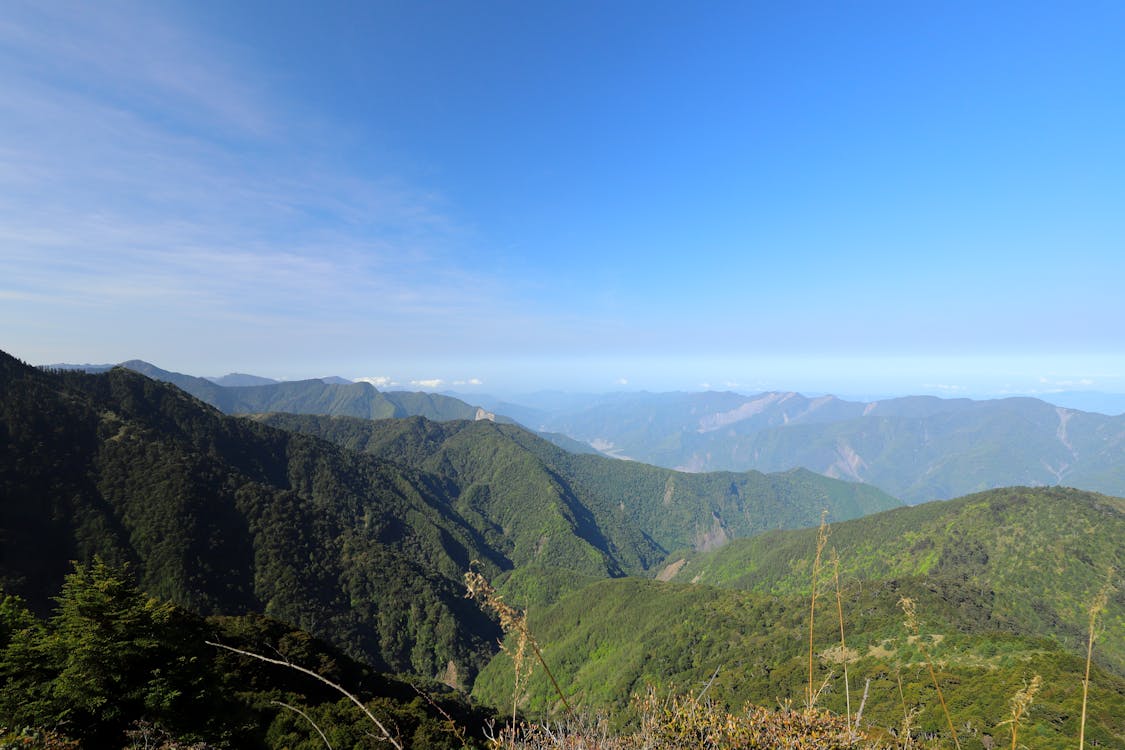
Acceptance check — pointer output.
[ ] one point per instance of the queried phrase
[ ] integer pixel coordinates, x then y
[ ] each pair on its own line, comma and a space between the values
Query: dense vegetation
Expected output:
613, 639
1037, 554
224, 515
642, 509
221, 515
112, 668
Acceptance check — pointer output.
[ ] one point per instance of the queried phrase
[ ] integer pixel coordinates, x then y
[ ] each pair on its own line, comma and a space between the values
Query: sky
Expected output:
863, 197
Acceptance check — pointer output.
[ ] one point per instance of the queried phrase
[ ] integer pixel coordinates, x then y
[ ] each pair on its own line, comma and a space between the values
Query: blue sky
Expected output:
844, 197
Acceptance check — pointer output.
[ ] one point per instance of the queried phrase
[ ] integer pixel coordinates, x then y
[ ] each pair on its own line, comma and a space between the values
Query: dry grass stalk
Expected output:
911, 617
280, 662
821, 541
512, 620
451, 724
1095, 609
907, 727
843, 646
1021, 702
901, 695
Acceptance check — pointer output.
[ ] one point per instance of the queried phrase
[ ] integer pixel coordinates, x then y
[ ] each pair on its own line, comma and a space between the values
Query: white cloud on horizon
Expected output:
429, 383
945, 388
1056, 385
380, 381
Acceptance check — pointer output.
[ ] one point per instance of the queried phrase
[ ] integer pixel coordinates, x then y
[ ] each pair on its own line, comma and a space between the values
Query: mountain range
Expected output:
228, 515
359, 531
916, 448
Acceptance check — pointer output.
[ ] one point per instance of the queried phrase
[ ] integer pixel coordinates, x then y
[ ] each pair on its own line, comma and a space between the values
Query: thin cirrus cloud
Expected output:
139, 175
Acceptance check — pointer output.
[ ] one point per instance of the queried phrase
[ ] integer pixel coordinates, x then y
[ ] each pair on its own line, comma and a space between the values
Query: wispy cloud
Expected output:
147, 172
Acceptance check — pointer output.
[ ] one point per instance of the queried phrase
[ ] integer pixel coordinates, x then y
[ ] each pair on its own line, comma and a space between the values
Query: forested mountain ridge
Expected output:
222, 515
314, 396
670, 509
1002, 583
917, 448
1039, 553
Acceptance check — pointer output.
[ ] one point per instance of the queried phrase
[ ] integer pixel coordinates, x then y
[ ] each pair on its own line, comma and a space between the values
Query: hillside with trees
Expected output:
225, 515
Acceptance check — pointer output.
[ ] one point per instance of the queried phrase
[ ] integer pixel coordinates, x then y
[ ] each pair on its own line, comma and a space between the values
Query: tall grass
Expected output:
512, 620
845, 655
821, 541
676, 721
1020, 703
1096, 608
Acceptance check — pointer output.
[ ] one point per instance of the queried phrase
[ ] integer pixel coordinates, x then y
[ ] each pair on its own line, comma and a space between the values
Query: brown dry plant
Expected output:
845, 654
1020, 703
512, 620
821, 540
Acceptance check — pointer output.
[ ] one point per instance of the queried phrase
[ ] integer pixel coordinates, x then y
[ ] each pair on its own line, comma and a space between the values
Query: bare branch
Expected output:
325, 680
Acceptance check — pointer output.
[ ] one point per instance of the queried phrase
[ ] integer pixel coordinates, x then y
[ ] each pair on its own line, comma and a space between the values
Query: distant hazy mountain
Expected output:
917, 448
529, 416
237, 379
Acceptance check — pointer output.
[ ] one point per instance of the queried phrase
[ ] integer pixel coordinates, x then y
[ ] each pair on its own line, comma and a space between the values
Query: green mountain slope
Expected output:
1039, 553
221, 515
227, 515
612, 639
628, 512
